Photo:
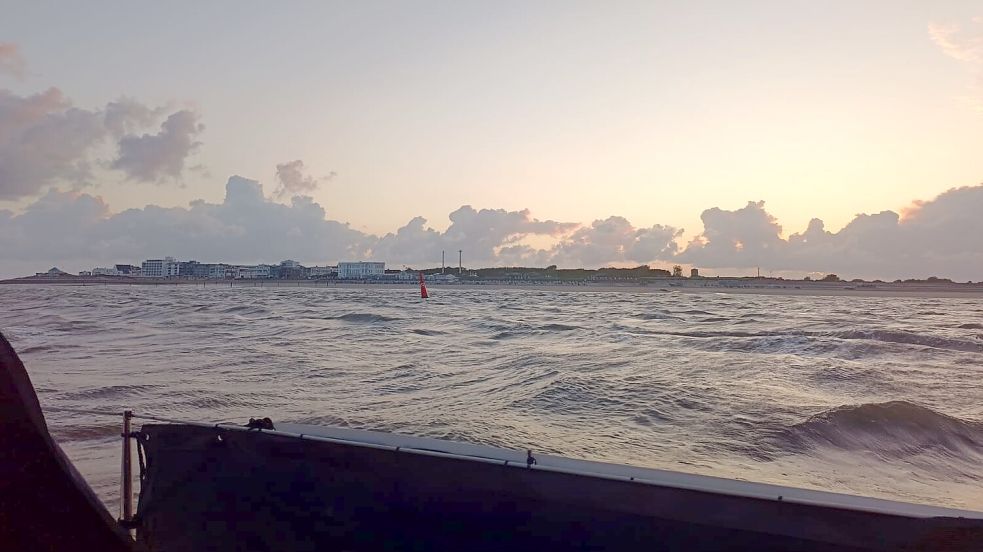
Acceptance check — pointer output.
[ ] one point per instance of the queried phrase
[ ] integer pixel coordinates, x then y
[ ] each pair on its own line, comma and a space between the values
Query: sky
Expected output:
796, 137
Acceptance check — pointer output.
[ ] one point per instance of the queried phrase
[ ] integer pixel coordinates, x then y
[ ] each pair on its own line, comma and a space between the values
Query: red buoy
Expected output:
423, 288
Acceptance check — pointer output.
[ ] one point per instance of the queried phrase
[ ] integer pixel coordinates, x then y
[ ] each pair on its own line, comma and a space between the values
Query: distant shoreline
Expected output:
707, 285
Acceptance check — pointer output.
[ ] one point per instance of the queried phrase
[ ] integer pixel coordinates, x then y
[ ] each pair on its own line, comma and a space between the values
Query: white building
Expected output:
152, 268
254, 272
360, 270
104, 272
160, 268
217, 270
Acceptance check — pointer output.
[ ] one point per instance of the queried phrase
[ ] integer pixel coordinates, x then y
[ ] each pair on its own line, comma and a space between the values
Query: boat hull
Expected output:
221, 488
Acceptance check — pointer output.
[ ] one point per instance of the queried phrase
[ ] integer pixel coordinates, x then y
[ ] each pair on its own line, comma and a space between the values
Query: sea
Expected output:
875, 396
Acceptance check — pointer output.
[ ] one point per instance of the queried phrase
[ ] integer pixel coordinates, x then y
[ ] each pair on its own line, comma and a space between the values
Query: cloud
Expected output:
155, 157
746, 237
293, 179
127, 115
77, 230
11, 62
940, 237
958, 43
964, 44
486, 236
615, 241
937, 237
45, 141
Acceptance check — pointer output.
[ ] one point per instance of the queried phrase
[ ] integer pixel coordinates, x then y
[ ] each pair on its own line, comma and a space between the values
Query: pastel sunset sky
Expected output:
579, 133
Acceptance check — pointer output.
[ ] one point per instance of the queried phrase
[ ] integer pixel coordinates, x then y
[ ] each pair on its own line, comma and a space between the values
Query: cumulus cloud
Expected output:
966, 45
745, 237
11, 62
46, 141
43, 140
293, 179
941, 237
77, 229
615, 241
154, 157
126, 116
486, 235
486, 230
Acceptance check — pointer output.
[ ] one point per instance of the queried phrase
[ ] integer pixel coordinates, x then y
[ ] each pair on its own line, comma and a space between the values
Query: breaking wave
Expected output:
911, 338
890, 429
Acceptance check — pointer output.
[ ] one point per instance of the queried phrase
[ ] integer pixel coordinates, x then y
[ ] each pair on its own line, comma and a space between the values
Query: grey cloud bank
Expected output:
154, 157
72, 230
45, 142
488, 235
942, 237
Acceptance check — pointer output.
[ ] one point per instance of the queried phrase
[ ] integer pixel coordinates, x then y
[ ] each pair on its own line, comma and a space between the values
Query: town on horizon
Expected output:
170, 269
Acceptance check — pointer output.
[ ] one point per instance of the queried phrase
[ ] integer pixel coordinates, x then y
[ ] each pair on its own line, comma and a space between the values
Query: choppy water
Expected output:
875, 396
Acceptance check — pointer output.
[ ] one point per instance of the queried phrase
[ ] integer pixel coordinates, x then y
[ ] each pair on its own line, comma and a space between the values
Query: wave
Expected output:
109, 392
796, 336
36, 349
911, 338
893, 429
363, 318
656, 316
242, 308
527, 331
558, 328
419, 331
645, 378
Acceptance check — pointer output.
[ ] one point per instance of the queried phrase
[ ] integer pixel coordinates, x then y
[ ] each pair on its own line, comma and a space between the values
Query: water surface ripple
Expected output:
875, 396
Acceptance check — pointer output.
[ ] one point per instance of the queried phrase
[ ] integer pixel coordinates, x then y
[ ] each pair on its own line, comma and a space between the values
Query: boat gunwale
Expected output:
658, 477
